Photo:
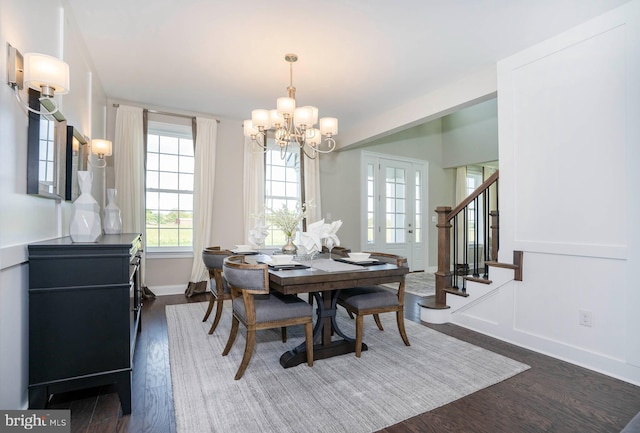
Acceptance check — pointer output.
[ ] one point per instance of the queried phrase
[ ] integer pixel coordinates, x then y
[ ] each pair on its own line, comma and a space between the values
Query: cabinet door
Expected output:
77, 331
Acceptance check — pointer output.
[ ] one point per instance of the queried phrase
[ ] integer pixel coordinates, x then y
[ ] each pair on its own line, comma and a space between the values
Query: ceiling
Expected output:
357, 58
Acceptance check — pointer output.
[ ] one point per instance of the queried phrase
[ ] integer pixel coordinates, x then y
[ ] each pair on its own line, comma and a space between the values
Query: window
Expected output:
282, 185
45, 158
169, 188
474, 180
371, 204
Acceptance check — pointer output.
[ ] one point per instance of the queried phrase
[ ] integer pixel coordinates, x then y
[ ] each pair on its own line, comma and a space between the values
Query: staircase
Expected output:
468, 240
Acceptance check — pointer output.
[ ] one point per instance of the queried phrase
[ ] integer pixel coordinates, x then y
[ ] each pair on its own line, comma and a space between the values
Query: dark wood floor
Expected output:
552, 396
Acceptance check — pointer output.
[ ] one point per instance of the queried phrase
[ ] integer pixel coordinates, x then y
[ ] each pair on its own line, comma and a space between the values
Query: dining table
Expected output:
323, 277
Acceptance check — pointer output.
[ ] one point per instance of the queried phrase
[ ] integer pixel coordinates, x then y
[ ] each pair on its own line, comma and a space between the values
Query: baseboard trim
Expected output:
168, 290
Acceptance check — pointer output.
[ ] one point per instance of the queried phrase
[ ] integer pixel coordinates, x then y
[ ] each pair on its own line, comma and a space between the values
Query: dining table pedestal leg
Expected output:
326, 322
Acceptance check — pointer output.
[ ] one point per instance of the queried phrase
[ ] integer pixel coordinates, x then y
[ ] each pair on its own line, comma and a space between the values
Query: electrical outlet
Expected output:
585, 318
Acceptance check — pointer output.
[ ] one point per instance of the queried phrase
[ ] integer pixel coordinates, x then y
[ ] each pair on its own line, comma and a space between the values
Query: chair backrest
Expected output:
252, 278
213, 257
393, 259
340, 251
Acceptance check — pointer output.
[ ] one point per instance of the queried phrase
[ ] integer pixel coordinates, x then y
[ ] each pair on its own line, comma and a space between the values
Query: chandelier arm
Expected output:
283, 149
331, 144
314, 153
264, 139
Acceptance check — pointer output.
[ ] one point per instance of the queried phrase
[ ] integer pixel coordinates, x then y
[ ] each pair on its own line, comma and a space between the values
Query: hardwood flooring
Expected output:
552, 396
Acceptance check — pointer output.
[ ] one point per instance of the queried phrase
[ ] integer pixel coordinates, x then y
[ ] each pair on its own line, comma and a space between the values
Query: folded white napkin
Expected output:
258, 234
311, 239
329, 236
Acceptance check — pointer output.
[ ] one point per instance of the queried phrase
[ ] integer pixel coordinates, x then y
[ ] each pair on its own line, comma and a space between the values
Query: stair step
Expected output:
456, 292
430, 302
478, 280
516, 266
501, 265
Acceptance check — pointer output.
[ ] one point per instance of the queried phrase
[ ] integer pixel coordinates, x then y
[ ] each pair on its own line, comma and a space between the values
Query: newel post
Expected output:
495, 230
443, 275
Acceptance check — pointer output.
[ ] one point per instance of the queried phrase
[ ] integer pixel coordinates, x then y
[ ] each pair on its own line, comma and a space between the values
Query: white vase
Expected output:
112, 222
85, 223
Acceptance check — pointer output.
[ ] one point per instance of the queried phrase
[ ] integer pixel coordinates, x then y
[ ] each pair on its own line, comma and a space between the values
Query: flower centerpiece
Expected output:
288, 221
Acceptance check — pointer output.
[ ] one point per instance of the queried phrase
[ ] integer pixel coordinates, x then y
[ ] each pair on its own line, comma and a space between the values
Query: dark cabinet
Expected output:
84, 315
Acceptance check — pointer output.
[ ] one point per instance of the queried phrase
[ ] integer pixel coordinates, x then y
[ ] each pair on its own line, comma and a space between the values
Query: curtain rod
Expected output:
166, 113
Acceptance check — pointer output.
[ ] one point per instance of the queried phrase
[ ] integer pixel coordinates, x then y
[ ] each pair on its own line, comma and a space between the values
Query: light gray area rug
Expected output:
418, 283
389, 383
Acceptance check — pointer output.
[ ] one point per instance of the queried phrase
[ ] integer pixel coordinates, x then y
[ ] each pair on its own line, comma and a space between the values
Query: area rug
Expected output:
389, 383
418, 283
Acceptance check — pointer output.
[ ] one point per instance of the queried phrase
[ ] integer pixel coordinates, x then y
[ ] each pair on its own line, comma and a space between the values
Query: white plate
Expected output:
351, 259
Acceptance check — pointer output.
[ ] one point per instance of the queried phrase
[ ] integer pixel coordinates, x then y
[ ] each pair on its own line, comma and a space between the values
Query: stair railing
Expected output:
459, 232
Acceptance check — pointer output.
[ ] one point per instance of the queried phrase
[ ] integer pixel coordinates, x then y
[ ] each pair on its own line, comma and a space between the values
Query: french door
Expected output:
394, 198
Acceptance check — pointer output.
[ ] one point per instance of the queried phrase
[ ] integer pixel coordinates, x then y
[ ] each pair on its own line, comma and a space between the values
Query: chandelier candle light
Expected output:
293, 124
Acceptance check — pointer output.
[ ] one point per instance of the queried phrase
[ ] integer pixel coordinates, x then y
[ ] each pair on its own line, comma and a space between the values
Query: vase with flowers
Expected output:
288, 221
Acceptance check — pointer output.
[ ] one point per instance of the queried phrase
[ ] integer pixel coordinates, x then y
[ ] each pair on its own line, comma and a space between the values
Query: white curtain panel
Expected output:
129, 167
312, 187
128, 164
204, 177
253, 180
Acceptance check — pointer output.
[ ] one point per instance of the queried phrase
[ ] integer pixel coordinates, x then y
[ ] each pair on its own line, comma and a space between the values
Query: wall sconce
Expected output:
101, 148
49, 75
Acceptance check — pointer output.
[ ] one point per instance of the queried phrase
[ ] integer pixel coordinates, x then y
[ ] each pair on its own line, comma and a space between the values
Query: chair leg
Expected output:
308, 333
232, 336
400, 320
216, 319
283, 331
376, 317
350, 314
212, 300
248, 351
359, 331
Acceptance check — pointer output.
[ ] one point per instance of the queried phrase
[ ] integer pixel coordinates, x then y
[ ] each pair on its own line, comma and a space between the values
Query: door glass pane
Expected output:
370, 204
395, 204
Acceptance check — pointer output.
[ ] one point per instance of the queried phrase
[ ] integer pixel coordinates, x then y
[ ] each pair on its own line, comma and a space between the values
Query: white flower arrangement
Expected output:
286, 219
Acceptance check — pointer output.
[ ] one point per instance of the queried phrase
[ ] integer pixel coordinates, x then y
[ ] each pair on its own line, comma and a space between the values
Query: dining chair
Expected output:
257, 308
213, 257
373, 300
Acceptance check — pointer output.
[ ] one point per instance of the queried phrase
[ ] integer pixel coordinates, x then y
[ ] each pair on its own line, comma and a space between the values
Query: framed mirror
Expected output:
77, 153
56, 152
46, 151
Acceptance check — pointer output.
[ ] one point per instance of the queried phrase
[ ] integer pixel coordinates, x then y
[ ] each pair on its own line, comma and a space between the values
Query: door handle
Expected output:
410, 231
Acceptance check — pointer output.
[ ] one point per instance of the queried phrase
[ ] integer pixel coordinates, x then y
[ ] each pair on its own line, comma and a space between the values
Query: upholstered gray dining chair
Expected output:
213, 257
257, 308
373, 300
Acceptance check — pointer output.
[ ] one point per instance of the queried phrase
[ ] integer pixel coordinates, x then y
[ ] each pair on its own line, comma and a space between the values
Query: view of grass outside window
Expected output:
282, 186
169, 193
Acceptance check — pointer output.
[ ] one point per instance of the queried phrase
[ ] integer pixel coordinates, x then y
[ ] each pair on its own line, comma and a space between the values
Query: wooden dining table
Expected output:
323, 279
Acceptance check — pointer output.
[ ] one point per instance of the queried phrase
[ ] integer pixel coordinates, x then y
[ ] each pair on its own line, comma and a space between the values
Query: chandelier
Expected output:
292, 125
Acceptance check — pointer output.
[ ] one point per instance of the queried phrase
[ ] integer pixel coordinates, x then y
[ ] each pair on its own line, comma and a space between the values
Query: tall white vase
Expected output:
112, 222
85, 223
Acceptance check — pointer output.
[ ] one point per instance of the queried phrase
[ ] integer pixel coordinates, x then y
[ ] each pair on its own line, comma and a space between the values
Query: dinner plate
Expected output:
350, 259
247, 252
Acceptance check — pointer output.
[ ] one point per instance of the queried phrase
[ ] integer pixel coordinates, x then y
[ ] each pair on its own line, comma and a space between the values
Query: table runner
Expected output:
329, 265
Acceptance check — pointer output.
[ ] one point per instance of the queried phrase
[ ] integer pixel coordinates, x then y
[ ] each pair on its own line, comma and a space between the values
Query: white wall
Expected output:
31, 26
470, 136
569, 135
